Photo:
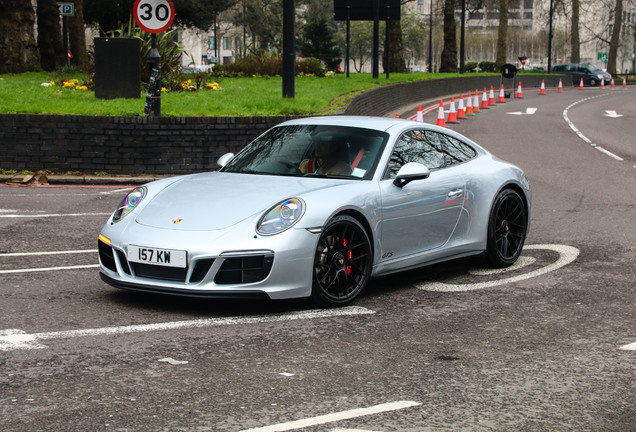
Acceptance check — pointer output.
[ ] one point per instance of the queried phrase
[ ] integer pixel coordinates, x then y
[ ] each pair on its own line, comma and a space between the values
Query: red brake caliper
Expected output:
349, 255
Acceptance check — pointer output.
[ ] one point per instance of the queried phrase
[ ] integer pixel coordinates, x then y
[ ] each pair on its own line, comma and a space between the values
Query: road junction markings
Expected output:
16, 339
529, 111
567, 255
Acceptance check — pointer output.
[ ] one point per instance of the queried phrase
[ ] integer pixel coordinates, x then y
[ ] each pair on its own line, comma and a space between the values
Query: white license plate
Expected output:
163, 257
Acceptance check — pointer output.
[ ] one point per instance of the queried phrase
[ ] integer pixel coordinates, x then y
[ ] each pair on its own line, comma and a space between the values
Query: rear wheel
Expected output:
507, 229
593, 82
342, 263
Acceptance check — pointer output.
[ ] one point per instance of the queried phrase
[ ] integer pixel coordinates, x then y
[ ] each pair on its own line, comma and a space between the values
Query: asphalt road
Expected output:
453, 347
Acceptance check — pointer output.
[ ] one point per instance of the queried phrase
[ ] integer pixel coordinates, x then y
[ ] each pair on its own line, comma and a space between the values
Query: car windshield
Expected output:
312, 150
592, 68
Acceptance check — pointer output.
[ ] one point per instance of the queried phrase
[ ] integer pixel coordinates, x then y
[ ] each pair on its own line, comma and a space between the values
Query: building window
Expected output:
227, 43
211, 42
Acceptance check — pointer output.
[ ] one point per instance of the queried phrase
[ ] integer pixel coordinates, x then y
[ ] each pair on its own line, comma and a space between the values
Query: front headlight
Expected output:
281, 217
129, 203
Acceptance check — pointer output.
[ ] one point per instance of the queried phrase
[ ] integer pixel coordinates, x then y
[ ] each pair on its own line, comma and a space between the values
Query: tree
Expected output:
396, 62
18, 51
317, 41
50, 42
361, 43
615, 39
77, 38
449, 53
502, 34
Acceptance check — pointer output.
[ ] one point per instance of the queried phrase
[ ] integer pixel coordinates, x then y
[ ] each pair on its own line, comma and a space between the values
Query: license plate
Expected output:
154, 256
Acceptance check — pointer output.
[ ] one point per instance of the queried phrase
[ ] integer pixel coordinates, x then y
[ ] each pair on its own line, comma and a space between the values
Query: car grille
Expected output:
234, 270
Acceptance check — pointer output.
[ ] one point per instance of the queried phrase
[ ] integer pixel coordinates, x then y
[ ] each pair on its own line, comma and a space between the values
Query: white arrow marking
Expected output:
612, 114
629, 347
529, 111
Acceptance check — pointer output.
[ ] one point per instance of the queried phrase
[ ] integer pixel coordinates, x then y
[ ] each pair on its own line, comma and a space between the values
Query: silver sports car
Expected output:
316, 207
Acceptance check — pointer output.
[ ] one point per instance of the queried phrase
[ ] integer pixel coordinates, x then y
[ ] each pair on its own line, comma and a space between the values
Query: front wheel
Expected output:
593, 82
507, 228
342, 263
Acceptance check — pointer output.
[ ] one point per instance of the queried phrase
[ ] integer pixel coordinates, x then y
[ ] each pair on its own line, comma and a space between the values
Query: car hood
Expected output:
216, 201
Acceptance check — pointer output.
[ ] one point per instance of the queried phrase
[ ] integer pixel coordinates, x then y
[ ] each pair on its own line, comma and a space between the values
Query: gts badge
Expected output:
387, 255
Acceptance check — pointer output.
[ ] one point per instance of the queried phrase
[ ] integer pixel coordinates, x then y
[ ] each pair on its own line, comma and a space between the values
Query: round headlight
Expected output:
129, 203
281, 217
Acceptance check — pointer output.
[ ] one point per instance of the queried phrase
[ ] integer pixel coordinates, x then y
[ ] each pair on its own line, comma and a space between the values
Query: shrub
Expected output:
487, 66
470, 66
266, 66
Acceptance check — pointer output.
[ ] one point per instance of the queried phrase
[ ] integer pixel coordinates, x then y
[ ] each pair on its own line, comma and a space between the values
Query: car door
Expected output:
423, 214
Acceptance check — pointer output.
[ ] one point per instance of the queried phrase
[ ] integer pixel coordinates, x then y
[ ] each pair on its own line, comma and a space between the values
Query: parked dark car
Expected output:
591, 74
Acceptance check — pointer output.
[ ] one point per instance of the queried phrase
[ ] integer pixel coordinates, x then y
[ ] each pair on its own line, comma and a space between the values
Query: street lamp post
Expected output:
430, 39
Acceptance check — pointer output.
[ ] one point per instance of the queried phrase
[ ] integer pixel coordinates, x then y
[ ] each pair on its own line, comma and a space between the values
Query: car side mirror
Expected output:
223, 160
409, 172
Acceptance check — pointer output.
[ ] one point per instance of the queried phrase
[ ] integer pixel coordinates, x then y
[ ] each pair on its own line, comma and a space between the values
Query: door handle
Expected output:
455, 193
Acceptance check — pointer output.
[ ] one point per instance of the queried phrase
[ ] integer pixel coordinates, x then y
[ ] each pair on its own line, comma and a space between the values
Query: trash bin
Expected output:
117, 68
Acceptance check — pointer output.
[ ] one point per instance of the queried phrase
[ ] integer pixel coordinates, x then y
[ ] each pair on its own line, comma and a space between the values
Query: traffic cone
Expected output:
542, 91
560, 89
476, 102
519, 93
624, 81
484, 100
420, 115
440, 115
469, 105
491, 97
460, 108
581, 84
502, 95
612, 84
452, 113
397, 115
602, 83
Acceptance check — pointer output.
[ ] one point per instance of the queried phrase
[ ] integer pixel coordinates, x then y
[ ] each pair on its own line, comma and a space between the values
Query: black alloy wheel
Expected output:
507, 229
342, 264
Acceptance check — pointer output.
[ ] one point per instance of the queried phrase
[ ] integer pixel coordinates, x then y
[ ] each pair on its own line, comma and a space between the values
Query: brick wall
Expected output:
177, 145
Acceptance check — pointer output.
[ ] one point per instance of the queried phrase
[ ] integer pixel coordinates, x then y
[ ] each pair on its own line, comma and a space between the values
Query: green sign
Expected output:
602, 56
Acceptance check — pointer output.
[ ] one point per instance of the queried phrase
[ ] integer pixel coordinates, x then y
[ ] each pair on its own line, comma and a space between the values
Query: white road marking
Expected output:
612, 114
172, 361
116, 191
583, 137
629, 347
567, 254
334, 417
53, 215
529, 111
522, 262
18, 254
11, 339
44, 269
351, 430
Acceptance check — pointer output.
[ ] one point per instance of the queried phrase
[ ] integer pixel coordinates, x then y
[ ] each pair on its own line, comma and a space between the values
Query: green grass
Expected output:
24, 93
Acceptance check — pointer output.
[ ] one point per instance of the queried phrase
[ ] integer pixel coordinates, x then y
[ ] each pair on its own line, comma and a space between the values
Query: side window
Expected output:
456, 152
420, 146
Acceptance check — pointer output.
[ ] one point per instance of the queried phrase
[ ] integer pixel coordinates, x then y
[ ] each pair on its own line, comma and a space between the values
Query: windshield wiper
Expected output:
333, 176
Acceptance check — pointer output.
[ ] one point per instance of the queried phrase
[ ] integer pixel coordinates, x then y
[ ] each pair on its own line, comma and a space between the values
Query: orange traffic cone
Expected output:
612, 84
602, 83
440, 114
469, 105
420, 115
491, 97
624, 81
460, 108
452, 113
484, 100
502, 95
581, 85
397, 115
542, 91
476, 102
519, 93
560, 89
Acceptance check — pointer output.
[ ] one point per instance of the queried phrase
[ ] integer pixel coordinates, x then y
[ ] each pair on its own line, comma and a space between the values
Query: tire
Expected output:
342, 262
507, 228
593, 82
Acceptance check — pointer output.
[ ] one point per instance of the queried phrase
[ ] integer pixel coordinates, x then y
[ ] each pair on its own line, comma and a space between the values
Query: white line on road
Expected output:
19, 254
334, 417
44, 269
629, 347
567, 254
12, 339
53, 215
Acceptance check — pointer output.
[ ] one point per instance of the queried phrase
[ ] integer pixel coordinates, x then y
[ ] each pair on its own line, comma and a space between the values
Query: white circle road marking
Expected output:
522, 262
567, 254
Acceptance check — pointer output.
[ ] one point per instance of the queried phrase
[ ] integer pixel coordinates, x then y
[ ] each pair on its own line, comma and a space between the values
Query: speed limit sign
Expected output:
153, 16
